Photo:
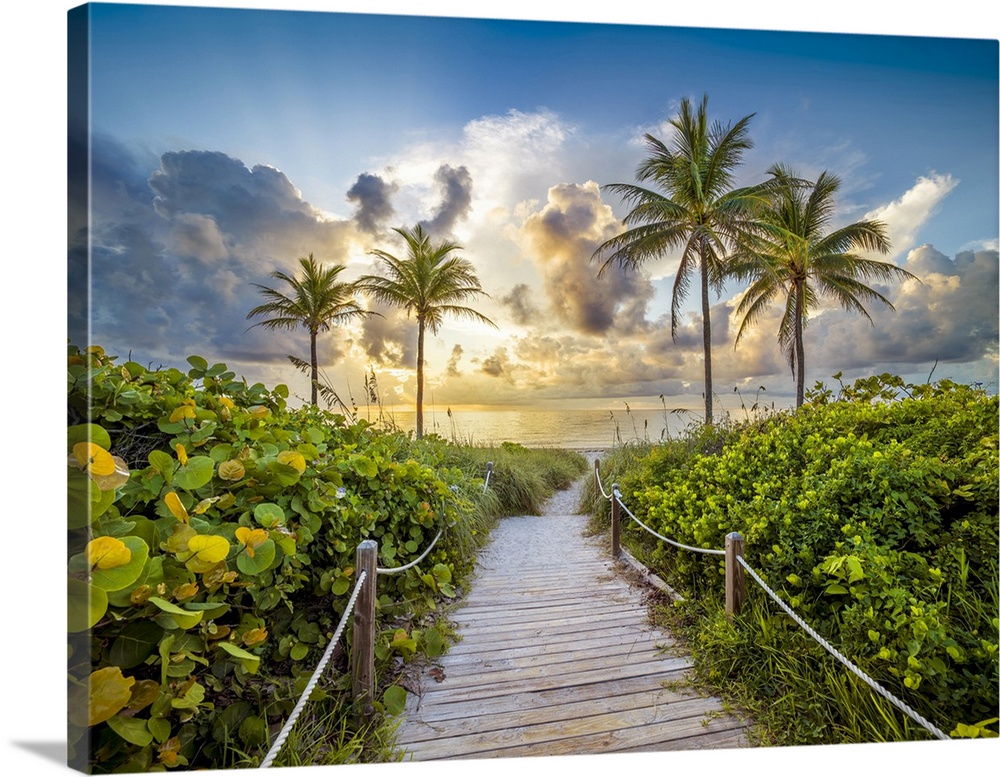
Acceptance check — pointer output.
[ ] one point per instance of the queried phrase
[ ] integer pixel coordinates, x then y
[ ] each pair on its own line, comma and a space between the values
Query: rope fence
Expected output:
362, 604
280, 741
736, 564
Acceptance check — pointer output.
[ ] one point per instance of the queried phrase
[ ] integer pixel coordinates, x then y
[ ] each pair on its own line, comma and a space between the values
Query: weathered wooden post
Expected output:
735, 576
616, 522
363, 649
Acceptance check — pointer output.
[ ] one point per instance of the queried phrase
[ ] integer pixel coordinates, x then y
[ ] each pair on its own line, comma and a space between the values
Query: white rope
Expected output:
709, 551
280, 741
396, 570
840, 657
597, 477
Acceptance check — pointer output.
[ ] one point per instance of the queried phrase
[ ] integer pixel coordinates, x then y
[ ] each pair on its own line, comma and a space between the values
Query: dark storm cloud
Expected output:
390, 339
373, 197
950, 317
521, 306
176, 243
564, 236
456, 199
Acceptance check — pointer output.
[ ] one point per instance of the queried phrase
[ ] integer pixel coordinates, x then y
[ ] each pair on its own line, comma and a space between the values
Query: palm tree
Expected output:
429, 283
694, 207
795, 256
316, 302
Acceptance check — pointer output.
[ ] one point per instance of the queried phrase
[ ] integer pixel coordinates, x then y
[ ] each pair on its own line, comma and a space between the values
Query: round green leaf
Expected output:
176, 618
120, 577
196, 473
262, 559
268, 514
132, 730
85, 605
88, 433
395, 700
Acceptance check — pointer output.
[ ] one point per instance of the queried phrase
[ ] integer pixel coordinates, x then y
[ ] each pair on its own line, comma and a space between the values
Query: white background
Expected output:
33, 202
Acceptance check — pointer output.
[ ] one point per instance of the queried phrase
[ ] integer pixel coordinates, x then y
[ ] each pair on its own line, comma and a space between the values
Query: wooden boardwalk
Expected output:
556, 658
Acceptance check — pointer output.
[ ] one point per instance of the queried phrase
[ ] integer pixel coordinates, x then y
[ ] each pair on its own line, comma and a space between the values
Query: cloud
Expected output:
562, 237
390, 339
456, 199
520, 304
175, 245
456, 356
373, 196
904, 217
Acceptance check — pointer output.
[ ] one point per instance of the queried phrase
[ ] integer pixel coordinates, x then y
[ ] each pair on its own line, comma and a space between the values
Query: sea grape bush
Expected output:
212, 534
873, 513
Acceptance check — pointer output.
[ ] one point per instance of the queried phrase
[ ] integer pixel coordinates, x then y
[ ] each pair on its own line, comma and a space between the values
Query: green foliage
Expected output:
872, 513
211, 543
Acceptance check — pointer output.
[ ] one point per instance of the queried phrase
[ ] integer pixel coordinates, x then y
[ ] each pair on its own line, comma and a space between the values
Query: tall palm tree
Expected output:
428, 282
316, 302
693, 207
795, 256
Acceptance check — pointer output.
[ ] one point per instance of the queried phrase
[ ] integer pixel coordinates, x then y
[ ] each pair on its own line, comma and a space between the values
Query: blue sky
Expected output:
228, 143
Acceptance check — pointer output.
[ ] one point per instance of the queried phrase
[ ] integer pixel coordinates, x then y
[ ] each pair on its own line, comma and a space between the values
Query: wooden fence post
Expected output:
735, 577
616, 522
363, 649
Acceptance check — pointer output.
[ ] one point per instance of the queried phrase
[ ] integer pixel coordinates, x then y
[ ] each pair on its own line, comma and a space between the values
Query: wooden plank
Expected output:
541, 653
642, 698
461, 691
620, 729
440, 708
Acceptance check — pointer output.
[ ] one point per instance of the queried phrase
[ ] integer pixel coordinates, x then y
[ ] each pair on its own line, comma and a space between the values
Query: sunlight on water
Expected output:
573, 429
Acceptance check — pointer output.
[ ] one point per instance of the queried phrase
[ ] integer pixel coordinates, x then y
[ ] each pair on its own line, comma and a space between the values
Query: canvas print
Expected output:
450, 388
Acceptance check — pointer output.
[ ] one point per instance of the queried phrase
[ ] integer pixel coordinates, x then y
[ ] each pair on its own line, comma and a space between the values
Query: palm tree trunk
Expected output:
420, 378
706, 327
314, 363
800, 351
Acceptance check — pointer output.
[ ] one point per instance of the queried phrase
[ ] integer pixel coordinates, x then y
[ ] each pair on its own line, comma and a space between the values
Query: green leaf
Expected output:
121, 577
85, 605
87, 433
268, 514
136, 643
249, 661
395, 700
299, 651
196, 473
132, 730
159, 728
835, 588
162, 462
182, 619
263, 557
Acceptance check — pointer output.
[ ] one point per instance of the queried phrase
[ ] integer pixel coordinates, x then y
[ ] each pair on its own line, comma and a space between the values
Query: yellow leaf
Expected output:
182, 412
231, 470
293, 459
110, 692
182, 456
209, 548
252, 538
254, 637
169, 751
117, 478
107, 553
227, 402
204, 504
93, 459
175, 506
259, 411
185, 591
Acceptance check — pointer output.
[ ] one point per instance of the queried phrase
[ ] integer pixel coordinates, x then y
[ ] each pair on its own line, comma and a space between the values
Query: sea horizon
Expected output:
581, 429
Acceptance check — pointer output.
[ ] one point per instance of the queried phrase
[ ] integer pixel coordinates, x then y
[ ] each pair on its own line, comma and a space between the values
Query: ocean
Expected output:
545, 428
